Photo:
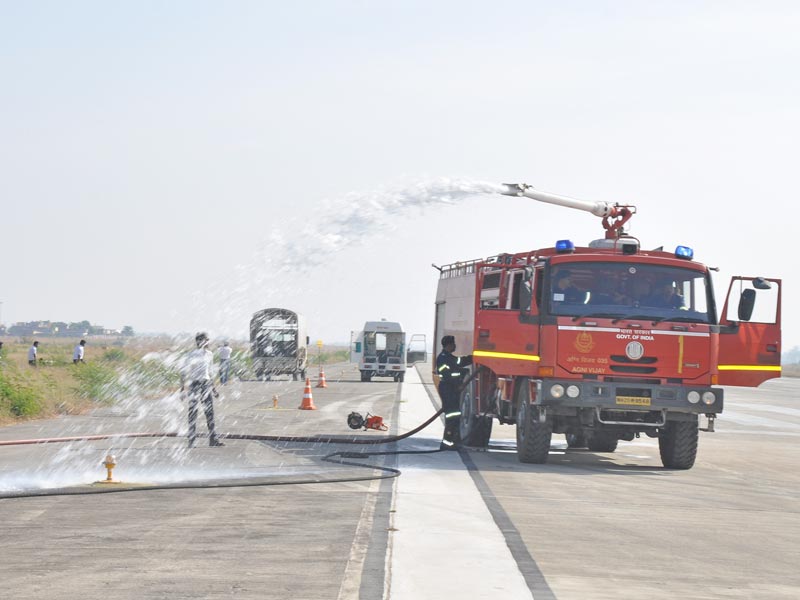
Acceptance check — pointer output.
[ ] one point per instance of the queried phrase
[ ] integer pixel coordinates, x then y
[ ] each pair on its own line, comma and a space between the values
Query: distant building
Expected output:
58, 329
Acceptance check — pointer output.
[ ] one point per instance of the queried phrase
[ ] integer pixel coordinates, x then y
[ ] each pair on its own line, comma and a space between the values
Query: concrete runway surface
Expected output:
464, 524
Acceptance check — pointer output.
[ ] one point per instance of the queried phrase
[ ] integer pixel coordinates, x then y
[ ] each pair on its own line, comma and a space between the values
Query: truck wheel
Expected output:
474, 430
401, 377
366, 376
601, 442
677, 444
576, 440
533, 438
303, 375
295, 376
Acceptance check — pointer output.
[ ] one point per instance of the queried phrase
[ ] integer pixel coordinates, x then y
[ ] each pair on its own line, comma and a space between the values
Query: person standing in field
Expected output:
77, 354
224, 354
33, 354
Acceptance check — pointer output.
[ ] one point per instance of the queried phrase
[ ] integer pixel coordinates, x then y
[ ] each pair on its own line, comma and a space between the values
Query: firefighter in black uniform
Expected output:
452, 370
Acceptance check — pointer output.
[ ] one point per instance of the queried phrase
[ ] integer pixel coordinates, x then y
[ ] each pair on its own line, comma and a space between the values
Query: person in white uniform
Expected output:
33, 354
198, 377
77, 354
224, 354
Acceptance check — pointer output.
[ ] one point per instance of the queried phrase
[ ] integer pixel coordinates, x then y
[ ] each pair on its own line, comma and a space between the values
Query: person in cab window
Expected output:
565, 291
665, 296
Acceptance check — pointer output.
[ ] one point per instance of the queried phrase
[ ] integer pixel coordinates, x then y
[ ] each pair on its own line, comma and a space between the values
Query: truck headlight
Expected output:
709, 398
693, 397
557, 391
573, 391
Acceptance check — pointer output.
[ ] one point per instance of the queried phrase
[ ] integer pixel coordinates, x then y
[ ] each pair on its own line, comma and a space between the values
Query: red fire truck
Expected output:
603, 343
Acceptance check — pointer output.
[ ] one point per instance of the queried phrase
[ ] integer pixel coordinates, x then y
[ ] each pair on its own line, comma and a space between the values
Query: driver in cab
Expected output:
565, 291
665, 296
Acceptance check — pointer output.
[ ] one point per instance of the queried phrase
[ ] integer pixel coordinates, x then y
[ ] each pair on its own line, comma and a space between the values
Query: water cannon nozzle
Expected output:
514, 189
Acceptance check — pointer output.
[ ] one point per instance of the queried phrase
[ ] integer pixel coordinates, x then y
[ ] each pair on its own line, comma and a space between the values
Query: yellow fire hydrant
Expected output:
109, 464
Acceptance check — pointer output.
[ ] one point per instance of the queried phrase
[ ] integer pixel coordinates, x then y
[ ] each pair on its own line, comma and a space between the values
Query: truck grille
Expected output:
645, 360
632, 369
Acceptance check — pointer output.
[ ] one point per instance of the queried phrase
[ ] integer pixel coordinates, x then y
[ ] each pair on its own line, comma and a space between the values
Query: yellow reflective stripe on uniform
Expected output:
487, 354
749, 367
443, 367
452, 415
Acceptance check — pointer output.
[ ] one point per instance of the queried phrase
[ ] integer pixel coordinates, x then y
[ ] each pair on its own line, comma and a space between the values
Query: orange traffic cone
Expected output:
308, 399
322, 382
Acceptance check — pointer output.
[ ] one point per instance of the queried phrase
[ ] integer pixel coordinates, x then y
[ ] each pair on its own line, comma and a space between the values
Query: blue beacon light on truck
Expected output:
563, 246
684, 252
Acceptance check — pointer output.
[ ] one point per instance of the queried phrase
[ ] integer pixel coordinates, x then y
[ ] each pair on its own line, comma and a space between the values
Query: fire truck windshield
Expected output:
631, 289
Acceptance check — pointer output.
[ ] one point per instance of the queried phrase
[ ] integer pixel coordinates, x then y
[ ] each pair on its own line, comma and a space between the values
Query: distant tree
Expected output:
127, 330
80, 327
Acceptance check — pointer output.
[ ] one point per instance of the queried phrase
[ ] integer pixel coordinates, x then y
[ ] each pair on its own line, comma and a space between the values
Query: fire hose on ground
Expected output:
386, 472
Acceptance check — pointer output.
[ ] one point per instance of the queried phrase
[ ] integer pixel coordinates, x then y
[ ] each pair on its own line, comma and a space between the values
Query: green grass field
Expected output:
114, 369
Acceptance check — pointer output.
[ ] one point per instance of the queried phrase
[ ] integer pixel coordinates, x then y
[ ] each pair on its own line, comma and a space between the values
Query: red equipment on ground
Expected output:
603, 342
356, 421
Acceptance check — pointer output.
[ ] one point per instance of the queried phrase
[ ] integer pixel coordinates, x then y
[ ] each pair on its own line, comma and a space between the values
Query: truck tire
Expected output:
295, 376
576, 440
401, 377
600, 441
303, 375
366, 376
677, 444
533, 437
474, 430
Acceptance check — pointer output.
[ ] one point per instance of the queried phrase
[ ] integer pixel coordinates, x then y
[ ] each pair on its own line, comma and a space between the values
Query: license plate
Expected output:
633, 400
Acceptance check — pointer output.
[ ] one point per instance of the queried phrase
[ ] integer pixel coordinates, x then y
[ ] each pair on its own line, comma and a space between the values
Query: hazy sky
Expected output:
176, 166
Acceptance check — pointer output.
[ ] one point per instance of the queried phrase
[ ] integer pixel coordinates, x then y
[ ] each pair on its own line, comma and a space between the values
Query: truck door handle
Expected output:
484, 333
772, 347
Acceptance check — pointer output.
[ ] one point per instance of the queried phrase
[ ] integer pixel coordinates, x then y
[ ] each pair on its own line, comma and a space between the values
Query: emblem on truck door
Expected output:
584, 342
634, 350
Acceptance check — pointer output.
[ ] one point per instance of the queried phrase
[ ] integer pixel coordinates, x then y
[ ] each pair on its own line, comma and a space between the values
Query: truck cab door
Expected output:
356, 347
750, 332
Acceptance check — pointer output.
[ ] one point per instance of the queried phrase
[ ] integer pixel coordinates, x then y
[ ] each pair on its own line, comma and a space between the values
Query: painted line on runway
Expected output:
537, 584
447, 543
519, 550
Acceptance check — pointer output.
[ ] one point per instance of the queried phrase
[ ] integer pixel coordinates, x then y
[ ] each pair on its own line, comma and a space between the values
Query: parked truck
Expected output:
605, 342
379, 349
278, 343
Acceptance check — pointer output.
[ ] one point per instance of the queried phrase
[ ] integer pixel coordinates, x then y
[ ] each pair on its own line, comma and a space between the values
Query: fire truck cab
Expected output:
603, 343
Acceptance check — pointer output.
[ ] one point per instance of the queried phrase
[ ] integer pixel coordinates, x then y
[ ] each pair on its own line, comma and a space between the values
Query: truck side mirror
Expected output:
358, 348
746, 303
